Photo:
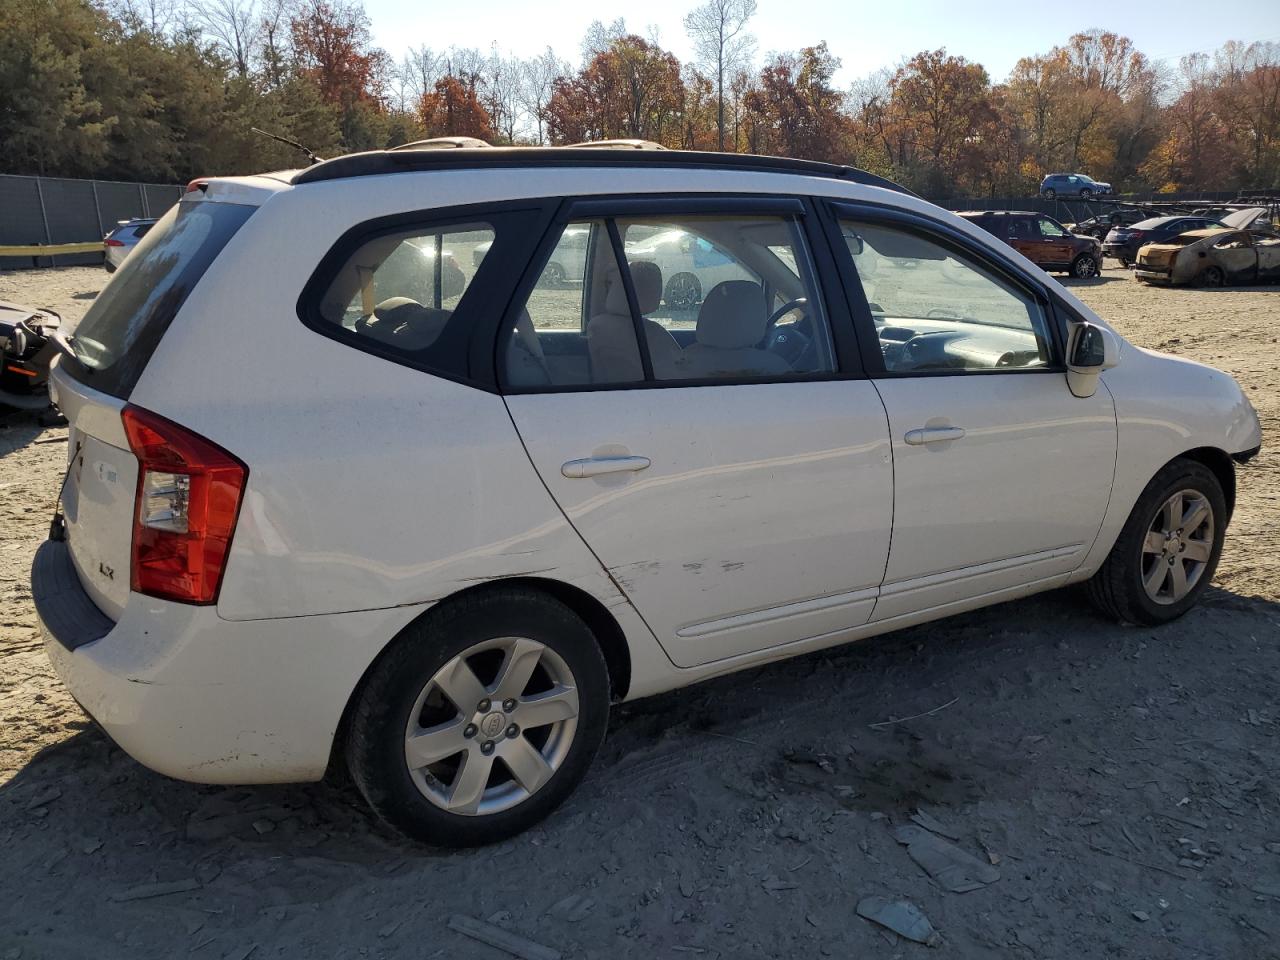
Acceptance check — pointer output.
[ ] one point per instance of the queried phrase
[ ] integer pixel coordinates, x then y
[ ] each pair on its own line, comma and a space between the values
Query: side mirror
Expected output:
1090, 350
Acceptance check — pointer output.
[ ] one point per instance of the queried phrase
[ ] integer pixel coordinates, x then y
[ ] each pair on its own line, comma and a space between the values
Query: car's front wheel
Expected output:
1085, 193
1168, 549
480, 719
1084, 267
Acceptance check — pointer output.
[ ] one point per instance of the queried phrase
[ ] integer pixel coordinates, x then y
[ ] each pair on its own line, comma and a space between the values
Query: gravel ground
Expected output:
1122, 781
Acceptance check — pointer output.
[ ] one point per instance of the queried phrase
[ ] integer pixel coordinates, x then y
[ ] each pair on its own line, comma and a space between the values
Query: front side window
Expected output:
936, 309
1049, 229
690, 299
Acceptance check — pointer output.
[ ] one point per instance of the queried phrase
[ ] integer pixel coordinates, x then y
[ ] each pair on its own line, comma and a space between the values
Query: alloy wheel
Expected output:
492, 726
1177, 547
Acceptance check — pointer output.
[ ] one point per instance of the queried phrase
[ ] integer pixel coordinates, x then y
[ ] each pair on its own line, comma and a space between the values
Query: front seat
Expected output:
611, 336
731, 324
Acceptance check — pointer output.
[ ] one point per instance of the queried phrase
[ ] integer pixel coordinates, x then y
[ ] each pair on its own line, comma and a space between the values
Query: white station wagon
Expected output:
433, 525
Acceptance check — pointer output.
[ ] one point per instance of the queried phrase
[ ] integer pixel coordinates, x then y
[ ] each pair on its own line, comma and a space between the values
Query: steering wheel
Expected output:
789, 342
783, 310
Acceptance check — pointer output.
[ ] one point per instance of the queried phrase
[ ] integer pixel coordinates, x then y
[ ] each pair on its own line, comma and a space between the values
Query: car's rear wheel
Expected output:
684, 292
480, 719
553, 275
1084, 267
1168, 549
1212, 276
1050, 193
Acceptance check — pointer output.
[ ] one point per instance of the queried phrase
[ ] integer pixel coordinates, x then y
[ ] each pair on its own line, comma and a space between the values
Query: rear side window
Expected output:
684, 299
121, 330
401, 289
425, 293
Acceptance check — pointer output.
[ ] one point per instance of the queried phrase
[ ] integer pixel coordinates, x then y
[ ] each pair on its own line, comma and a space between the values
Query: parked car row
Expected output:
1241, 247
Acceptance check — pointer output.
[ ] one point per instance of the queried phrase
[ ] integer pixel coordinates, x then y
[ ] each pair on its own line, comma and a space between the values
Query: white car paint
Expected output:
375, 490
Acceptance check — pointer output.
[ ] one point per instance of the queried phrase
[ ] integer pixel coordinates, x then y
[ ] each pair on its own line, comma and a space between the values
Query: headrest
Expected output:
732, 315
647, 279
396, 311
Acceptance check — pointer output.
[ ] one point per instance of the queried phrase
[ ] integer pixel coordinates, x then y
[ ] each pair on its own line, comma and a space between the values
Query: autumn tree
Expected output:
632, 89
452, 109
794, 110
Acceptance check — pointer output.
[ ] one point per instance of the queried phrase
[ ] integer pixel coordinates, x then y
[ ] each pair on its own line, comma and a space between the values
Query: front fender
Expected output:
1167, 406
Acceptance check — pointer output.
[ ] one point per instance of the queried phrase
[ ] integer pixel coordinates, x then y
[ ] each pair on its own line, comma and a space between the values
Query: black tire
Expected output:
683, 291
1116, 589
1050, 193
1125, 262
554, 275
1085, 267
375, 742
1213, 276
1085, 193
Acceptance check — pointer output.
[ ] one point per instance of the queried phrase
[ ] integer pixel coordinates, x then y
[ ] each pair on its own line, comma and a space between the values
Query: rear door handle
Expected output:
933, 435
599, 466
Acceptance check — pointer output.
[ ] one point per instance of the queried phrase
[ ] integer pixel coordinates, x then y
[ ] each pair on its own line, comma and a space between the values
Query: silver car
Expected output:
118, 244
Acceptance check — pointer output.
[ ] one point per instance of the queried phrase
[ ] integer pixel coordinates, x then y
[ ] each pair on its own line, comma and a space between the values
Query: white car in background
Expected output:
121, 240
308, 515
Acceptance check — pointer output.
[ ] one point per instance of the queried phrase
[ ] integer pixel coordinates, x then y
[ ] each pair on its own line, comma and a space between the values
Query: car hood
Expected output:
1242, 218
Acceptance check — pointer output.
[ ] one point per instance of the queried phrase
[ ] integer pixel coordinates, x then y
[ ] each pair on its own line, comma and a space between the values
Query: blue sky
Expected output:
866, 34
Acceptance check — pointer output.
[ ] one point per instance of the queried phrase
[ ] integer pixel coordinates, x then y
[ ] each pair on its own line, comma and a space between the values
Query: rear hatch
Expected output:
100, 365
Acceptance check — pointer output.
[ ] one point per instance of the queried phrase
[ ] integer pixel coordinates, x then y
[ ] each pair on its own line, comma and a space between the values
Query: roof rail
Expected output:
619, 145
443, 143
405, 160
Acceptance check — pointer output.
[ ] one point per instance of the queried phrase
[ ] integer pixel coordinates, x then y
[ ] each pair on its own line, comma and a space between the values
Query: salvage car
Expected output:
1098, 227
26, 352
436, 543
1123, 243
1212, 258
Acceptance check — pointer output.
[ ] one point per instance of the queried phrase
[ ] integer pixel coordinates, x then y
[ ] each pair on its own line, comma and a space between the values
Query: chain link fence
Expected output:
55, 210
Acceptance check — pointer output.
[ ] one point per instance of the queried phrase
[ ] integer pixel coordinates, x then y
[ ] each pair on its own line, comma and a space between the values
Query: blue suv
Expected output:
1072, 185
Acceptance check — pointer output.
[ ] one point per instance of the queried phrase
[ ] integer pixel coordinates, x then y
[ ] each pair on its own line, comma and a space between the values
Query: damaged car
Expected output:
1214, 257
26, 350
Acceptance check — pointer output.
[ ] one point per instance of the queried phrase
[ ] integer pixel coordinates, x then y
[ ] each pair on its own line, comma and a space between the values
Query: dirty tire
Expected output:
375, 744
1084, 267
1116, 589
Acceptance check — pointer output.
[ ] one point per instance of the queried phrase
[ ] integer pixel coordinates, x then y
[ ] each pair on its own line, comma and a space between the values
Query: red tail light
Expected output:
189, 493
1137, 234
111, 242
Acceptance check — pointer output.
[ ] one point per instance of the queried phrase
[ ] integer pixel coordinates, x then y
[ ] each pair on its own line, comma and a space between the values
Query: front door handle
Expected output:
599, 466
933, 435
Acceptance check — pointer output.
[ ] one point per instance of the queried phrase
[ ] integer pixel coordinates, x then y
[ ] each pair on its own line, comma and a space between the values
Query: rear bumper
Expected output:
199, 698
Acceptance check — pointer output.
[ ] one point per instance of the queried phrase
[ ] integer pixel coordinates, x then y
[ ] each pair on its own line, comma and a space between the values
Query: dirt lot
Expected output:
1123, 780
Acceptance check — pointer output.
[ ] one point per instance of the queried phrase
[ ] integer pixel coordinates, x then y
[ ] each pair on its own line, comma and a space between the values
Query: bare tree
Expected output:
600, 37
235, 26
154, 16
538, 84
425, 67
502, 81
717, 29
273, 34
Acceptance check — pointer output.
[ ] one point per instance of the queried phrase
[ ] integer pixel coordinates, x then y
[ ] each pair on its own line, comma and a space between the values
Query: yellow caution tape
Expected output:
50, 249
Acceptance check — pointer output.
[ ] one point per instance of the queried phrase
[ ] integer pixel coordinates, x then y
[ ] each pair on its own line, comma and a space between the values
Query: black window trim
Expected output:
517, 225
607, 207
947, 236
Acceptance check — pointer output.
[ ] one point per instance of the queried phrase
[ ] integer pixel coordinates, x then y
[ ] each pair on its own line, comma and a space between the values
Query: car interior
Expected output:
935, 309
729, 297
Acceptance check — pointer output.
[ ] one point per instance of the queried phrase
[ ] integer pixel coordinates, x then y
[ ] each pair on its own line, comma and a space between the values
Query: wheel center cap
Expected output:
493, 724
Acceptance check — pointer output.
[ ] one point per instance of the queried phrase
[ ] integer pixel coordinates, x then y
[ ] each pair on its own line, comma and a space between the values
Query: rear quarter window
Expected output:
120, 332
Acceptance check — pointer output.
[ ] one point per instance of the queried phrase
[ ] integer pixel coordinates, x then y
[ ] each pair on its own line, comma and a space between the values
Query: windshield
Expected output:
120, 331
